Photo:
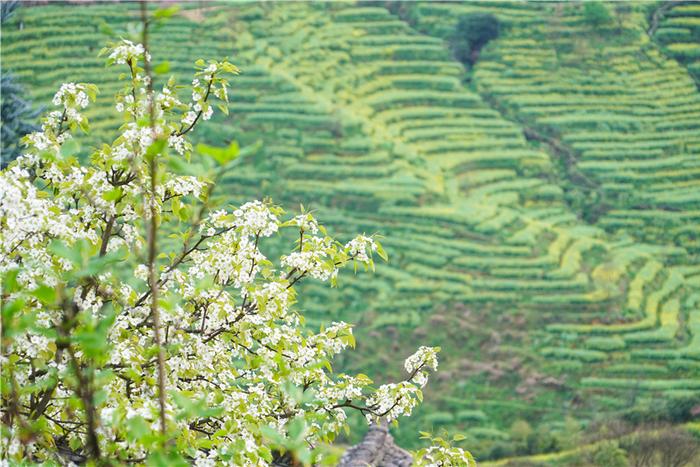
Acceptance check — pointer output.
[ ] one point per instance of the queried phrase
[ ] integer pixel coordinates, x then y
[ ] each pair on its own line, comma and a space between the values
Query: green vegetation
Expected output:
541, 211
473, 32
597, 15
16, 112
678, 33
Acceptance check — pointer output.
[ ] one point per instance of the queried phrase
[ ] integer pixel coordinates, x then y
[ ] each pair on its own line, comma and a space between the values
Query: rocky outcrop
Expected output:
377, 449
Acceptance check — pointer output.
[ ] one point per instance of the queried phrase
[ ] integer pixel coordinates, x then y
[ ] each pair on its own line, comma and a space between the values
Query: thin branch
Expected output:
199, 114
153, 231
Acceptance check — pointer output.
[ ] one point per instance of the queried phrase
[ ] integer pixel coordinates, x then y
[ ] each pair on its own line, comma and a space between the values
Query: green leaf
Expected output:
265, 453
303, 455
230, 68
184, 213
272, 435
84, 125
10, 309
162, 13
9, 281
297, 429
97, 264
200, 62
175, 206
113, 194
193, 408
92, 90
220, 155
58, 248
156, 148
162, 68
137, 428
380, 251
70, 148
75, 443
45, 294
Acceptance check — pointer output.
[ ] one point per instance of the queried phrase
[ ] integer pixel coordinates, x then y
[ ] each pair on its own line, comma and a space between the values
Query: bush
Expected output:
609, 454
17, 118
683, 409
472, 33
670, 447
596, 14
16, 112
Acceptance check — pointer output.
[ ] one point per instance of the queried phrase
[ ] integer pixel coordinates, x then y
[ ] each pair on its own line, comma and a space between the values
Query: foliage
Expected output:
473, 32
7, 8
609, 454
596, 14
677, 31
16, 113
442, 452
141, 320
665, 446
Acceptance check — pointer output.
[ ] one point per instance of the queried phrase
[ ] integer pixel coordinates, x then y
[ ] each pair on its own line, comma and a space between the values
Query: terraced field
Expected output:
558, 271
678, 32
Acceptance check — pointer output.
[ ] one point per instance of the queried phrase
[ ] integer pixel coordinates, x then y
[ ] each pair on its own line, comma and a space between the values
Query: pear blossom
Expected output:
127, 51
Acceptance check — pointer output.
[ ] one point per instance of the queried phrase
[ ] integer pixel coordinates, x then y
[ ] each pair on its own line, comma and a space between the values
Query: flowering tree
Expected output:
141, 320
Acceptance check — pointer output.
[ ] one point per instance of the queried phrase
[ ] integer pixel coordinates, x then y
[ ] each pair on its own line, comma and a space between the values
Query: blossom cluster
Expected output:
80, 350
70, 95
128, 53
315, 258
305, 222
207, 81
359, 246
256, 219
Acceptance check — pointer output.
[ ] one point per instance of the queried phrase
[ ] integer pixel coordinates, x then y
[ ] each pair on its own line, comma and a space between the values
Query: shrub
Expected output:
670, 447
472, 33
15, 110
609, 454
596, 14
17, 115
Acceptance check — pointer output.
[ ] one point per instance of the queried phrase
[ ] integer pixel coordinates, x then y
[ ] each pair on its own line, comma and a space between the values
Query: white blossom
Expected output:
255, 218
305, 222
126, 52
189, 118
184, 185
358, 247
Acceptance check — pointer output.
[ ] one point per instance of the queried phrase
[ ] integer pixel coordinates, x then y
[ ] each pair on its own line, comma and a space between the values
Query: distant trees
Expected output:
16, 111
472, 33
17, 116
596, 14
670, 447
609, 454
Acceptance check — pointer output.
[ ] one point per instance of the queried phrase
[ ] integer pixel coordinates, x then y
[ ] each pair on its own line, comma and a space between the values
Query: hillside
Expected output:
541, 210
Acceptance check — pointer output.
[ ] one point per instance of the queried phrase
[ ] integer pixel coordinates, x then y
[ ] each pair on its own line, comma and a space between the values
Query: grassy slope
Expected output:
365, 119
